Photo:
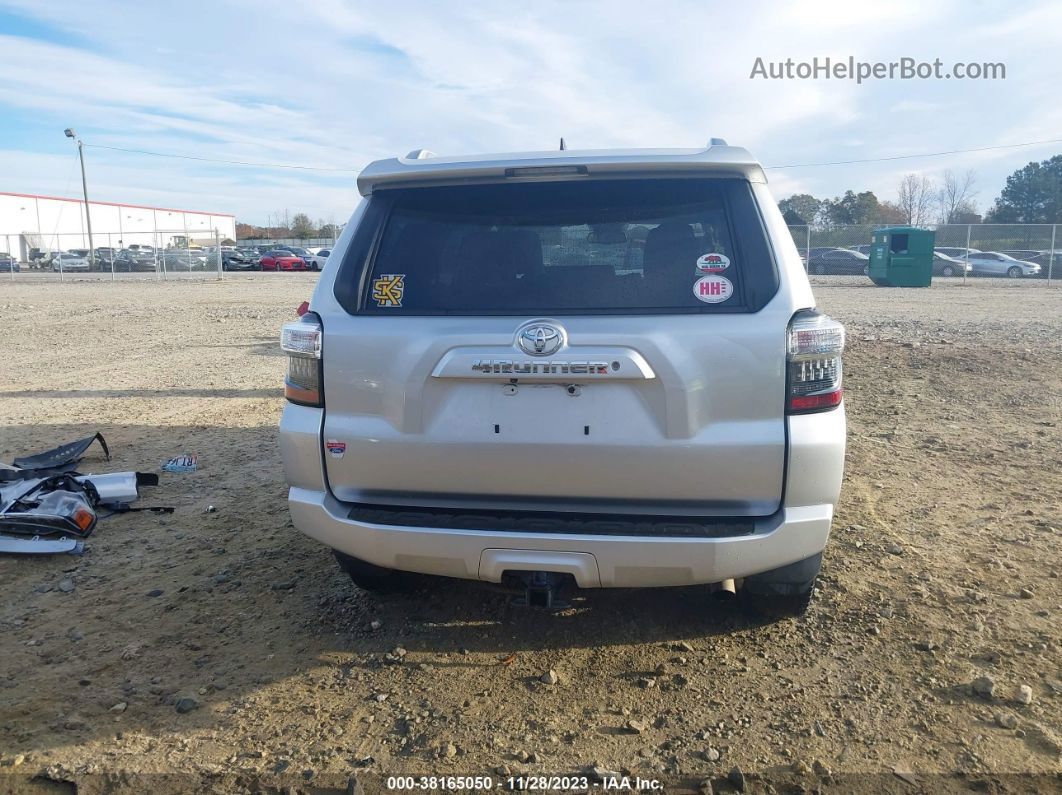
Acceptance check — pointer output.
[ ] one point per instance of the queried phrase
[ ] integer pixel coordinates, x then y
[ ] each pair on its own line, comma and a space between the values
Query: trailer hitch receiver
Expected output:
543, 589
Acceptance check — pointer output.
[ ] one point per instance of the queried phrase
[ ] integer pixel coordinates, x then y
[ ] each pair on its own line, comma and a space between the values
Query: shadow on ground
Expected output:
219, 605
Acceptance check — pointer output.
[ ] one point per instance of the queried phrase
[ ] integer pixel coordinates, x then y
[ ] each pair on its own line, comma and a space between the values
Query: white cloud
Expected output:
336, 84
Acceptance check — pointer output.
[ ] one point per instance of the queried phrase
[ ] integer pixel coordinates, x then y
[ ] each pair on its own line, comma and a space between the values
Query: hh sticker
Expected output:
712, 289
388, 288
336, 448
713, 263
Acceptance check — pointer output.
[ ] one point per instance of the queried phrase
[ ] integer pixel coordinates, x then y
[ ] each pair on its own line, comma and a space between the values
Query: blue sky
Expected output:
336, 84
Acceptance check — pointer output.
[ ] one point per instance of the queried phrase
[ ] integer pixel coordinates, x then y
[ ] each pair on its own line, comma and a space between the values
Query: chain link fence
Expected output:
162, 254
828, 251
302, 242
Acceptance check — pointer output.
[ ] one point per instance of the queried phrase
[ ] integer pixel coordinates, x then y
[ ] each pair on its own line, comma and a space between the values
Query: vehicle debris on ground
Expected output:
47, 507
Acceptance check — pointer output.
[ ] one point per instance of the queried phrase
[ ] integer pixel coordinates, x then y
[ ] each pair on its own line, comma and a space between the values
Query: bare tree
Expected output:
915, 198
956, 196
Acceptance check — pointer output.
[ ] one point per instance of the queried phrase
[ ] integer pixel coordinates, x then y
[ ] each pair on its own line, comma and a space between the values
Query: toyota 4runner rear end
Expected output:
603, 366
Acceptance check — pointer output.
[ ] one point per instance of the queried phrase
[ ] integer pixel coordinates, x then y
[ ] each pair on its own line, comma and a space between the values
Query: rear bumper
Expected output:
797, 531
594, 561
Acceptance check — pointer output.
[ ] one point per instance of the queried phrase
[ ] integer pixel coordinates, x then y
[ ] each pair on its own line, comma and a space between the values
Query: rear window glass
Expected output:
664, 245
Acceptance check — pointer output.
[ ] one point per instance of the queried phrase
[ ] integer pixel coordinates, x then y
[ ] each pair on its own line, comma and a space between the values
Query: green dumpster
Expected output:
901, 256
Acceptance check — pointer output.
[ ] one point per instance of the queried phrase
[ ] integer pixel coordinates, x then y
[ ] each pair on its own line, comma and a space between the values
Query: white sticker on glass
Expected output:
713, 289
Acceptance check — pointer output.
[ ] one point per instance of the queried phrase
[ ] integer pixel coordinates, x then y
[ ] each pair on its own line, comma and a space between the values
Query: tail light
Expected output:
814, 344
301, 341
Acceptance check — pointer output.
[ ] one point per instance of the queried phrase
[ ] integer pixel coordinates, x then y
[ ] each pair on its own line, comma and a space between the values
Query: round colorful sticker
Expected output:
712, 289
713, 263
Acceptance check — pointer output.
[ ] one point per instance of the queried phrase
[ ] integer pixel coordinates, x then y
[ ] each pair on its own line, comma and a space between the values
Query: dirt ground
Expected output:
943, 567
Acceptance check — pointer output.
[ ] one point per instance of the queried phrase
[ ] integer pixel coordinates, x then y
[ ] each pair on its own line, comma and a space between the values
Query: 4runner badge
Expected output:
540, 339
388, 289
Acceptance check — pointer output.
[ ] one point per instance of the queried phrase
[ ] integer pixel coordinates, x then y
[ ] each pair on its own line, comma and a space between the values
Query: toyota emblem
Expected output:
540, 339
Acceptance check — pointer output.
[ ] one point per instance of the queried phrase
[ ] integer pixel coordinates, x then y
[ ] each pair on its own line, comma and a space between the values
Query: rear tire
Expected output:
785, 592
819, 269
374, 578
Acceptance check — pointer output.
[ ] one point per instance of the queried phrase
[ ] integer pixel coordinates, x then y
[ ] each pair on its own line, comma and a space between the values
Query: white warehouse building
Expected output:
52, 223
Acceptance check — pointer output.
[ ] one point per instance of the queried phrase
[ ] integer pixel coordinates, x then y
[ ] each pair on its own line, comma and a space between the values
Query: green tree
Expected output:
1032, 195
301, 226
801, 208
852, 208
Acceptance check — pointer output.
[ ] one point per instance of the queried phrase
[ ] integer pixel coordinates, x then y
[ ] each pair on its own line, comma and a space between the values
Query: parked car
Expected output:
84, 252
105, 255
281, 260
298, 251
681, 424
8, 264
996, 263
837, 260
319, 260
952, 251
943, 265
68, 261
1048, 264
179, 259
129, 260
239, 261
38, 259
1024, 254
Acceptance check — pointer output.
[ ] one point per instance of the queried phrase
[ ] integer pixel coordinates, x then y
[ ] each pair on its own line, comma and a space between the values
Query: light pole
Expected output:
71, 133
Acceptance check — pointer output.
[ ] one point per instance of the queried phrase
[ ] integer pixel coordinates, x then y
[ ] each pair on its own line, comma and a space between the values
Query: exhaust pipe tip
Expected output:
724, 591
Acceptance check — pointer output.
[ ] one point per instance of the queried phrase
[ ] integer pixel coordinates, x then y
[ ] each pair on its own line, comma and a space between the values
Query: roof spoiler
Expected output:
422, 167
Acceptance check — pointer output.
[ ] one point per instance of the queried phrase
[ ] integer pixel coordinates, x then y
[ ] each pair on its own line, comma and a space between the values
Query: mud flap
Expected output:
796, 578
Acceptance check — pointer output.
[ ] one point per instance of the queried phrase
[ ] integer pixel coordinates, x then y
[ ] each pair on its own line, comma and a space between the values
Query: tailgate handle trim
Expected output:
597, 364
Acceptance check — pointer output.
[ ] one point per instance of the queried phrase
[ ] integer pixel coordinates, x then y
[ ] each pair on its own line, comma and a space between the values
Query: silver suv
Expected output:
602, 368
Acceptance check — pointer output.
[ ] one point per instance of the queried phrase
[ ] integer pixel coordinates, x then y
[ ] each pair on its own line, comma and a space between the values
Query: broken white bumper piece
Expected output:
21, 545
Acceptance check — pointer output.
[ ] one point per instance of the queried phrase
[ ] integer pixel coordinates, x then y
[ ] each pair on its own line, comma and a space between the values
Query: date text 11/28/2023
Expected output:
543, 783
